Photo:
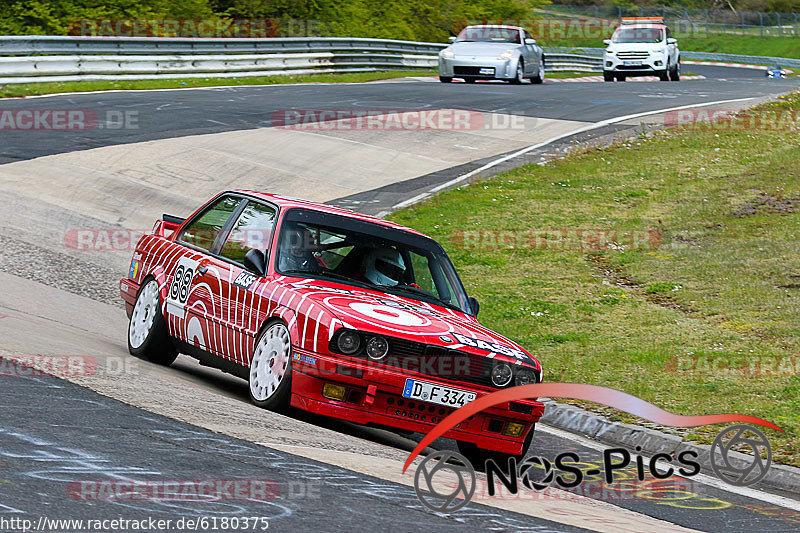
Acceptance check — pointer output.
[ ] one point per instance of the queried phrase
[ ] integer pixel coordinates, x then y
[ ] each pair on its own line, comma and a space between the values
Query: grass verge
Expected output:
32, 89
705, 323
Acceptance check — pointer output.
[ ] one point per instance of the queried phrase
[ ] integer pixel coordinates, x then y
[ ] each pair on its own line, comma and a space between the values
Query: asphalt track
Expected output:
191, 423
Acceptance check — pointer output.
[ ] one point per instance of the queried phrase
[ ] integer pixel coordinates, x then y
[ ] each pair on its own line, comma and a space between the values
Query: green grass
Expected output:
725, 281
31, 89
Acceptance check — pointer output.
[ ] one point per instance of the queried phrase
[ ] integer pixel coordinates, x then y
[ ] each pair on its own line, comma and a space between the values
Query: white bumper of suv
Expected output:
635, 61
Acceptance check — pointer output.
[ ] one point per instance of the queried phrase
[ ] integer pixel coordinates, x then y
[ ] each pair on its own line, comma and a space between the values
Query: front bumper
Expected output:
374, 397
653, 64
480, 68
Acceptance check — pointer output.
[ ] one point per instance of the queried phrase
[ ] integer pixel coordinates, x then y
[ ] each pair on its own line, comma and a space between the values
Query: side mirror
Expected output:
474, 306
256, 262
530, 41
606, 42
672, 40
451, 39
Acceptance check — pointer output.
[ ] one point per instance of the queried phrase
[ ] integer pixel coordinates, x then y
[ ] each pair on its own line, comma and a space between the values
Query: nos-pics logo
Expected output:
445, 481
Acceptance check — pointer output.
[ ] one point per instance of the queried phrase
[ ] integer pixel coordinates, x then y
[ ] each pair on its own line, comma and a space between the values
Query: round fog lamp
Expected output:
349, 342
377, 348
501, 374
525, 377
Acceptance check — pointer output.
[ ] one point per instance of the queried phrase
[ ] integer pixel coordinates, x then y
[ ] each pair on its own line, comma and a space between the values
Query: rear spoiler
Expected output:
167, 223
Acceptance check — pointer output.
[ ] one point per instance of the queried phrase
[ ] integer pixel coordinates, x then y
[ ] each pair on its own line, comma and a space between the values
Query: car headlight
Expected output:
349, 342
377, 348
447, 54
508, 54
525, 377
501, 374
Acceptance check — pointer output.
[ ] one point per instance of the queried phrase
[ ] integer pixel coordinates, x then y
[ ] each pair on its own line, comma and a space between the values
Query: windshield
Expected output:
365, 254
491, 34
638, 35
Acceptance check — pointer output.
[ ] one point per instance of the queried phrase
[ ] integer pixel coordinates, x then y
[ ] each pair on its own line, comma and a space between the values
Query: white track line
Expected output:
596, 125
705, 479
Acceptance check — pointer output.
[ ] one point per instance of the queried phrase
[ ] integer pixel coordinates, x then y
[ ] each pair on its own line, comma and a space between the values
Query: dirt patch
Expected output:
769, 204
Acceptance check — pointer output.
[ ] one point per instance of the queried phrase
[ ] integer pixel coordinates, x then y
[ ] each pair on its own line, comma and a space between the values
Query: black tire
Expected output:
663, 76
620, 77
608, 76
445, 79
675, 71
540, 74
520, 73
273, 398
156, 346
478, 456
469, 80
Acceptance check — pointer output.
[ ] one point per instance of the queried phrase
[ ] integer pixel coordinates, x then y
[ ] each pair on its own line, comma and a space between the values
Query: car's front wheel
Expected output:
675, 71
445, 79
608, 76
147, 332
520, 76
539, 78
270, 373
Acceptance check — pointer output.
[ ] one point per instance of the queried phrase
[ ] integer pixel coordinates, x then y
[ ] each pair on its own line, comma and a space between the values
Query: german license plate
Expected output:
434, 393
632, 63
487, 70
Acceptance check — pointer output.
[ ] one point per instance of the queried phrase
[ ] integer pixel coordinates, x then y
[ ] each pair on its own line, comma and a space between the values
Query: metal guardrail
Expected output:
29, 59
26, 59
56, 44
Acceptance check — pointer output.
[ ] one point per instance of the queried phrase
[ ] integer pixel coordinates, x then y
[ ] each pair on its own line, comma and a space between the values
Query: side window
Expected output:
204, 229
669, 34
253, 229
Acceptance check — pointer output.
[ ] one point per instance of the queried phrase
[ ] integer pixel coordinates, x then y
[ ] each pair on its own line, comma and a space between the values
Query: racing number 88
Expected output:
179, 291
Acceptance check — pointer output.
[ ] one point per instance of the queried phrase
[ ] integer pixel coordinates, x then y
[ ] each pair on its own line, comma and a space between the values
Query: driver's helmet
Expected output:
297, 241
384, 266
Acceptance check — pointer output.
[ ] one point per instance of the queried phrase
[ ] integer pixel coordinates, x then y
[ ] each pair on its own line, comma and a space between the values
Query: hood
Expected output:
634, 47
377, 312
477, 49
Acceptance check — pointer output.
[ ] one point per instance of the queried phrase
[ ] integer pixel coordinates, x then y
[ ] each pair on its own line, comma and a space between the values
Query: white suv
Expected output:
642, 47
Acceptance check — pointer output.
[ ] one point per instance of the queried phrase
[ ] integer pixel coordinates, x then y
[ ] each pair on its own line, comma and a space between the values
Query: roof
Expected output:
494, 26
643, 21
288, 202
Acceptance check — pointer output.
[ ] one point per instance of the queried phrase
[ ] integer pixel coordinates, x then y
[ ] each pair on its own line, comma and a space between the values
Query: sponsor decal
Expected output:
303, 358
245, 280
134, 272
492, 347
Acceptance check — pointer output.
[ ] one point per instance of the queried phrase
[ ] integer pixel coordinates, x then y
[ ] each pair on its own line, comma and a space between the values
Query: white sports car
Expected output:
492, 53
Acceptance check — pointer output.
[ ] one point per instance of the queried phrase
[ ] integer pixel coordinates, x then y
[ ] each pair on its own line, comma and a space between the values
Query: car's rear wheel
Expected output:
147, 332
520, 75
608, 76
539, 78
270, 373
445, 79
478, 456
